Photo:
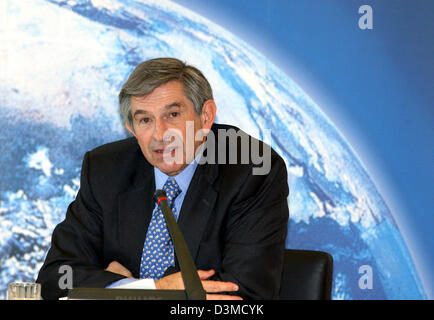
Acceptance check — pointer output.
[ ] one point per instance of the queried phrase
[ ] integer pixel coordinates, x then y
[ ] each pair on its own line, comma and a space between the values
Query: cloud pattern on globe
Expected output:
62, 69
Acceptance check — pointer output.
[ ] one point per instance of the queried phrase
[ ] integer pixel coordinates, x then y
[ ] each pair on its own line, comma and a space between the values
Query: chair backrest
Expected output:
307, 275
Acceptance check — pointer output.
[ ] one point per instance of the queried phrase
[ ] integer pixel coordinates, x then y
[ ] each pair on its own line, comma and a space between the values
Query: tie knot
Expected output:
172, 189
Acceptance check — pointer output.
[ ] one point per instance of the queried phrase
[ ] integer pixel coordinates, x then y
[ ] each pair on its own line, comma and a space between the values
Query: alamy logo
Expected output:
225, 147
65, 281
366, 281
366, 21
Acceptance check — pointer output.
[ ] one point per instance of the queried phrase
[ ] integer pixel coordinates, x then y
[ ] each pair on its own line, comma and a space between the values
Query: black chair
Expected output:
307, 275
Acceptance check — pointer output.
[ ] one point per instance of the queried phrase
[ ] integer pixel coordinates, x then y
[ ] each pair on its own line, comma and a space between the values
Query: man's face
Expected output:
160, 113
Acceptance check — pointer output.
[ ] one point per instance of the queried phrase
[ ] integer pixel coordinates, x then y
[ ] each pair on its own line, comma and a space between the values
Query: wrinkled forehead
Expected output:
164, 97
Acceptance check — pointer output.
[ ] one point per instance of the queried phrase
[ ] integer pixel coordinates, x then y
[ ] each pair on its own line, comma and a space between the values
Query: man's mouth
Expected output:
164, 150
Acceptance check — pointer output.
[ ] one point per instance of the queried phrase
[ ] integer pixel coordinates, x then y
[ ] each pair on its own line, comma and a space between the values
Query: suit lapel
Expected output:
197, 206
200, 199
135, 211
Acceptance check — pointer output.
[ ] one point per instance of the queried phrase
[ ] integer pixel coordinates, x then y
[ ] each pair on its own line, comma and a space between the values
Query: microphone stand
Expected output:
192, 283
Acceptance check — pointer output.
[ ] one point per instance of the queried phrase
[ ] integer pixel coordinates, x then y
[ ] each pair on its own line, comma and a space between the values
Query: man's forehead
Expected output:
143, 110
168, 94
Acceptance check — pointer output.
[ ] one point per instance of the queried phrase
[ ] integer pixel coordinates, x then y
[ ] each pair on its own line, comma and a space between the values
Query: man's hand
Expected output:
174, 281
116, 267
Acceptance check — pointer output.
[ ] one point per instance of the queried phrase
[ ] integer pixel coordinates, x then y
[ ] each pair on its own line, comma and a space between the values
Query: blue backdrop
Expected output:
349, 109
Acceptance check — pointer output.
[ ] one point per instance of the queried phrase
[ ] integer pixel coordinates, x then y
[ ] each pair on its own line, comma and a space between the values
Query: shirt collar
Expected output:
183, 178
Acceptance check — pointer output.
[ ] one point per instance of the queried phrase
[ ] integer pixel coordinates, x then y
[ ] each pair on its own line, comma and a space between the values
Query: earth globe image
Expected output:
62, 66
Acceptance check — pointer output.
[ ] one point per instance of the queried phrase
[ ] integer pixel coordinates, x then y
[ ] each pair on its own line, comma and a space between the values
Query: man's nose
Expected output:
159, 130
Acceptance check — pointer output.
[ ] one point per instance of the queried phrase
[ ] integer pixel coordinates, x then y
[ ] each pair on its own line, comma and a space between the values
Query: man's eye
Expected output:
174, 114
144, 120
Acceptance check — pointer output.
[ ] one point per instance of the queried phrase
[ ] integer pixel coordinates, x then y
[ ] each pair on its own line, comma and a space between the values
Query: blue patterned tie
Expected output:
158, 252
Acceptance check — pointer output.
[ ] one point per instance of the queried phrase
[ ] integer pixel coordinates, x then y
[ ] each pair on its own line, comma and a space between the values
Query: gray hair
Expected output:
153, 73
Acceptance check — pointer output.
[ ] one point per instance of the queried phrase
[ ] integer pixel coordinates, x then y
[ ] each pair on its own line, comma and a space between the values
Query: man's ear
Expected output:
127, 125
207, 117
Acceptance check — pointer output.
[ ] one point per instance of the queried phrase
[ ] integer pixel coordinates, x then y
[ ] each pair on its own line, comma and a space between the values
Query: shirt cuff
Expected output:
129, 283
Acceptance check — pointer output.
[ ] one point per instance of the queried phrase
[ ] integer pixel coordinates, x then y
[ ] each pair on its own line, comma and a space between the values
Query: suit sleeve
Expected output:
256, 233
77, 242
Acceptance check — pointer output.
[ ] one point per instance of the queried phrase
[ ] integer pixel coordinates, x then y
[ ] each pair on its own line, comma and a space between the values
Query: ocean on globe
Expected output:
62, 65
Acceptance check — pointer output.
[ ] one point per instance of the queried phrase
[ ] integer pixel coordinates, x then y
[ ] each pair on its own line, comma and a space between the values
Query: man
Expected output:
234, 222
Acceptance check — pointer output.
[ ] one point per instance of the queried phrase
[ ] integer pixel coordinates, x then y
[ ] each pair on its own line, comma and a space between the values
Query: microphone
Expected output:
193, 285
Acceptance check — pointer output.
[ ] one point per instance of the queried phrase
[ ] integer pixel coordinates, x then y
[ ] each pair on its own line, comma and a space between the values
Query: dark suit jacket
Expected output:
233, 221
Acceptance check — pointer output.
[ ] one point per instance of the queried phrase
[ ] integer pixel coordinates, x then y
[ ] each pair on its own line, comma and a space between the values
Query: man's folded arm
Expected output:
77, 243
